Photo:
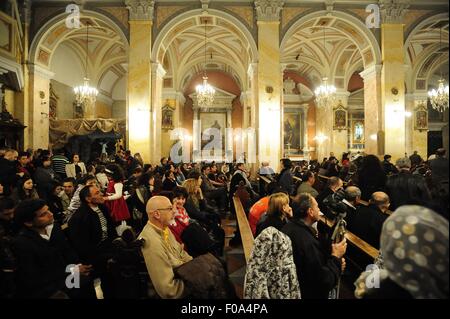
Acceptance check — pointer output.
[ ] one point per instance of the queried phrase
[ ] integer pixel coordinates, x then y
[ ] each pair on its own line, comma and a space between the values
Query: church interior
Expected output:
294, 148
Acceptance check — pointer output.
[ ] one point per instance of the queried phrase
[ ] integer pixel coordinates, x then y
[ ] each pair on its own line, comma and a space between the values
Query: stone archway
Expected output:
108, 52
179, 49
333, 45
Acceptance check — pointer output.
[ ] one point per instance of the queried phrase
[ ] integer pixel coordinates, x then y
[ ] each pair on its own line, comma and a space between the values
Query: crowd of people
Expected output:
371, 196
61, 217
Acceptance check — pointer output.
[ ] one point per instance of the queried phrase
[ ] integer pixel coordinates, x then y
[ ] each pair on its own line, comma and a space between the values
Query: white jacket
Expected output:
71, 172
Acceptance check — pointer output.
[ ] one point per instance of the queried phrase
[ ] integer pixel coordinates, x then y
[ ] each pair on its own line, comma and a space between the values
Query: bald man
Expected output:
161, 251
369, 220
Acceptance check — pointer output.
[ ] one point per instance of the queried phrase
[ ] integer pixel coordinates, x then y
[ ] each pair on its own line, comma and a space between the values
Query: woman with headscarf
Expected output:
414, 247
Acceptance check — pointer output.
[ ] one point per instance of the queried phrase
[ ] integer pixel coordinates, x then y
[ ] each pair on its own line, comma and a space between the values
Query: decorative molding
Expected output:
158, 70
371, 71
205, 5
172, 94
329, 5
42, 72
268, 10
140, 10
393, 11
7, 65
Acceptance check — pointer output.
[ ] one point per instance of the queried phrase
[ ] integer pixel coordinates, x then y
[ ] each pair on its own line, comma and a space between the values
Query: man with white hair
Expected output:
161, 251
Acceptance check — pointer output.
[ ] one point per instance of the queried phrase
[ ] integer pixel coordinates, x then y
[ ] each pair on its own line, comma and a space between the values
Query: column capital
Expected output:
140, 10
158, 70
342, 94
374, 70
393, 11
42, 72
252, 69
268, 10
173, 94
417, 96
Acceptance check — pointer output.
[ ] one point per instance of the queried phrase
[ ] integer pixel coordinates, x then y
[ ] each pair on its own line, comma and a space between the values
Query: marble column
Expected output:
393, 77
158, 73
373, 112
416, 140
139, 99
252, 122
196, 136
38, 112
305, 137
269, 81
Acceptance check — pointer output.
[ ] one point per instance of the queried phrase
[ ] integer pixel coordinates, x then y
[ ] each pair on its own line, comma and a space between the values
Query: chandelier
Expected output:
325, 94
205, 92
86, 93
439, 97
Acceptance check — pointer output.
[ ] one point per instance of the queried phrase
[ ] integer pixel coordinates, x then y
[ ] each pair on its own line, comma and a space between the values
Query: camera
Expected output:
335, 205
338, 210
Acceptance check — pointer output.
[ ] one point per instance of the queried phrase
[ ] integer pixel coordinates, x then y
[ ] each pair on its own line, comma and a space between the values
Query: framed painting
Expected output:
358, 132
292, 140
167, 117
421, 117
339, 117
216, 121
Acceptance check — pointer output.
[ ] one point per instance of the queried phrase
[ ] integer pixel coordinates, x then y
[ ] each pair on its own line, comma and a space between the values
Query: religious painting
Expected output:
292, 133
78, 112
358, 132
340, 117
215, 121
421, 117
167, 117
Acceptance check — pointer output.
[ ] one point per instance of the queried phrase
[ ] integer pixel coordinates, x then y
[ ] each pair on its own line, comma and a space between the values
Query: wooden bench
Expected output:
244, 228
265, 179
298, 179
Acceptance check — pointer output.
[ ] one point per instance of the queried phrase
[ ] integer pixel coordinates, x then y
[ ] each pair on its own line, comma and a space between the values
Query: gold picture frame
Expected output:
340, 116
167, 117
421, 117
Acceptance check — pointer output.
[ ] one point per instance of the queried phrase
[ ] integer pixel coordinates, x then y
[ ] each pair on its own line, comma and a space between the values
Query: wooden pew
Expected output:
244, 228
297, 179
265, 179
354, 240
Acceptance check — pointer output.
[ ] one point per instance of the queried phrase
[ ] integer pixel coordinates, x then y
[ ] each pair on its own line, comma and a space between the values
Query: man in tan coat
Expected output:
162, 252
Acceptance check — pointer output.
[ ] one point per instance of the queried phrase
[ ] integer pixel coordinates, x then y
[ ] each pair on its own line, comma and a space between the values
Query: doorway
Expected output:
434, 141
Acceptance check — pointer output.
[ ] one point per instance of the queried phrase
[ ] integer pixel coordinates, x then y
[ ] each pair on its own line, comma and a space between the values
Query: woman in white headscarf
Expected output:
415, 248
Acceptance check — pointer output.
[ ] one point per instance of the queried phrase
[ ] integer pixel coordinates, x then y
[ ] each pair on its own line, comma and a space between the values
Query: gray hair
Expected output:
352, 193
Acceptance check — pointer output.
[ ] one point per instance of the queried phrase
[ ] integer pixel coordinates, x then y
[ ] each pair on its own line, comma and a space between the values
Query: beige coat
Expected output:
161, 258
70, 170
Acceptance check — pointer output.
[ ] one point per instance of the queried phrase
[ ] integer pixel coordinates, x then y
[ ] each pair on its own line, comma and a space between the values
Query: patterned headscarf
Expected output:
415, 248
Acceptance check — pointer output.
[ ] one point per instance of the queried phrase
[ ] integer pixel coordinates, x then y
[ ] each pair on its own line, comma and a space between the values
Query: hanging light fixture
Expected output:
86, 93
205, 92
325, 94
439, 97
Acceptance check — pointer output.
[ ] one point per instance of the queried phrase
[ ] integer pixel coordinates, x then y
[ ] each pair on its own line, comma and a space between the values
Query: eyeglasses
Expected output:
168, 208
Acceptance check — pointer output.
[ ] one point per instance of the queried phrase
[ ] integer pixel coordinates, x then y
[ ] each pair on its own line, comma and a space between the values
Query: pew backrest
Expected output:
244, 228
